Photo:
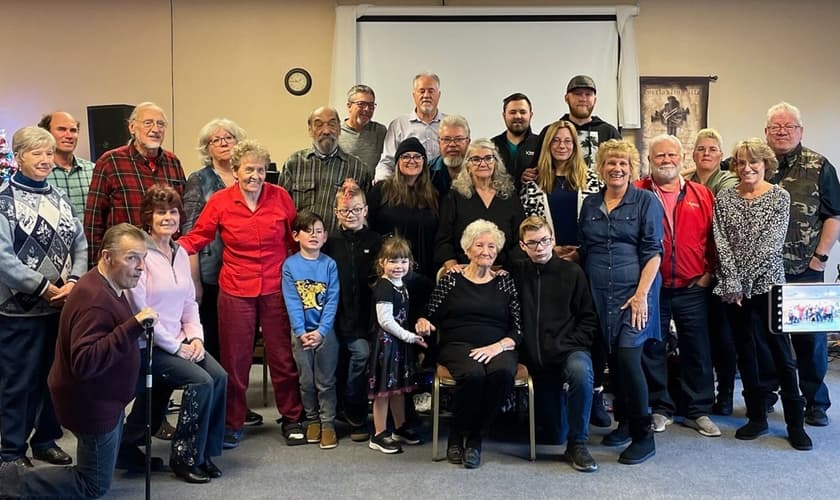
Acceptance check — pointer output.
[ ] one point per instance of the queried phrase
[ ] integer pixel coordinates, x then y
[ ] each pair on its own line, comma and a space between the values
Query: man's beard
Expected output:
518, 129
453, 161
326, 144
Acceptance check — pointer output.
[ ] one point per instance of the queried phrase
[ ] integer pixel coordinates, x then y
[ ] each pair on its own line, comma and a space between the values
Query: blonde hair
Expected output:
618, 148
545, 168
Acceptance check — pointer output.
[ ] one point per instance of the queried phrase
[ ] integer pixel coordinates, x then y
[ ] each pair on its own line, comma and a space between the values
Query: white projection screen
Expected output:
483, 58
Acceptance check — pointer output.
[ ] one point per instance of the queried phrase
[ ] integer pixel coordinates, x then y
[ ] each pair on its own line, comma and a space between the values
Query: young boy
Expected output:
559, 324
354, 249
310, 288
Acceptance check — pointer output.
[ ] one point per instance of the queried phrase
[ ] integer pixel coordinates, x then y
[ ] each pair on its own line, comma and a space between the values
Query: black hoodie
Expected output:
558, 314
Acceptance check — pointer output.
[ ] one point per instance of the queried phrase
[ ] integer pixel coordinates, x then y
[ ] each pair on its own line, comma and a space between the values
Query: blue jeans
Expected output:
316, 372
689, 309
355, 388
811, 353
23, 382
576, 371
96, 455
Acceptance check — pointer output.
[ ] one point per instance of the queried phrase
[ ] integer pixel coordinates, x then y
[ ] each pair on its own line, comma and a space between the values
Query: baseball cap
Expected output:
581, 82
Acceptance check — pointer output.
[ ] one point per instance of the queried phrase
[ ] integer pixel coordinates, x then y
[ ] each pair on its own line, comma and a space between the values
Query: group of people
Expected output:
377, 244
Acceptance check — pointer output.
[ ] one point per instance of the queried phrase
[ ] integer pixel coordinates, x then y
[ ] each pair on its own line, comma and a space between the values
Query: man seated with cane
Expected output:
95, 372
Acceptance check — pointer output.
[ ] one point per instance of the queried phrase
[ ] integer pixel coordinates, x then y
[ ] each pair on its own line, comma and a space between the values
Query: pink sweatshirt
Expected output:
168, 289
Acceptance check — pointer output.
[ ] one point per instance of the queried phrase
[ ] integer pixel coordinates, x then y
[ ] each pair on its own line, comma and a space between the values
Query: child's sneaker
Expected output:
328, 439
383, 442
313, 432
232, 438
405, 435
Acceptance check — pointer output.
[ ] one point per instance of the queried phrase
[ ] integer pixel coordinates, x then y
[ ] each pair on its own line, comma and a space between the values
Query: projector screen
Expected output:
483, 58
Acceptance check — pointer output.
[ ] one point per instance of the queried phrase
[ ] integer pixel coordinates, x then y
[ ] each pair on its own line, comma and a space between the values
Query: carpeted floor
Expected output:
686, 466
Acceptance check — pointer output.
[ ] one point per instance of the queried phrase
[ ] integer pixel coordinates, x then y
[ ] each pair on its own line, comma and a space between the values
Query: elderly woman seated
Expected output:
178, 356
476, 313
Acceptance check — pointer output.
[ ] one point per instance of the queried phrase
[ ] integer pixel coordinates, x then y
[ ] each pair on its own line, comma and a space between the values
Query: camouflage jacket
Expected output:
804, 173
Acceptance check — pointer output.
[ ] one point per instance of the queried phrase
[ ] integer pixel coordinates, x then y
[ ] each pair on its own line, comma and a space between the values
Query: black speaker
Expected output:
107, 127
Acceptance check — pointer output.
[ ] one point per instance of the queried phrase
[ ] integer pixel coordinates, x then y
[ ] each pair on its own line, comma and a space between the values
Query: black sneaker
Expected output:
384, 443
578, 455
253, 418
405, 435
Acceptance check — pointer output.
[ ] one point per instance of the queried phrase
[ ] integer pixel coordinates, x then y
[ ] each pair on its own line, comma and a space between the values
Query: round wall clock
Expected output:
298, 81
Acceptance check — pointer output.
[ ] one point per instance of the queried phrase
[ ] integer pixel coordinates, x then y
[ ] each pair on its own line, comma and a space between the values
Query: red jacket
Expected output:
690, 252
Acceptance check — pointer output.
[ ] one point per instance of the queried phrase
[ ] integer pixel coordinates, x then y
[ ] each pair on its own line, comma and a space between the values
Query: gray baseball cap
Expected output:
581, 82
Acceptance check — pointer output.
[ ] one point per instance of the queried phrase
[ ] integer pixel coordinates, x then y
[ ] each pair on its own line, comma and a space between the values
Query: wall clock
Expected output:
298, 81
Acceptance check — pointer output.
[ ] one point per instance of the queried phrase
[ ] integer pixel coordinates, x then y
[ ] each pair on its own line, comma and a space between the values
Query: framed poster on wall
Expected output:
675, 105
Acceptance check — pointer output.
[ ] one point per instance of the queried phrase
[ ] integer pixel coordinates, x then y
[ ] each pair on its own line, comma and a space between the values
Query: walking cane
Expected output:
150, 344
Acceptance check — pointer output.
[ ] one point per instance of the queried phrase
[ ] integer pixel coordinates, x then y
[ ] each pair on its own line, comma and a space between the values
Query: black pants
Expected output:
722, 346
750, 325
209, 315
480, 389
629, 383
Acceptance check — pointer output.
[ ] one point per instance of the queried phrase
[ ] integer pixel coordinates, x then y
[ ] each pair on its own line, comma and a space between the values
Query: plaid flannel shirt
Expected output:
119, 183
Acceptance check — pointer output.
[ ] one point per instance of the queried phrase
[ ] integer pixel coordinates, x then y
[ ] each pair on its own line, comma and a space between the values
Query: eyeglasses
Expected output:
670, 156
151, 123
344, 212
412, 158
453, 140
533, 245
364, 104
789, 128
565, 142
476, 160
704, 149
228, 139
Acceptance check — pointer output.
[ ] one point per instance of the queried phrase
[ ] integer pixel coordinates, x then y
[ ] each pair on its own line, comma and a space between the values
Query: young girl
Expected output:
392, 359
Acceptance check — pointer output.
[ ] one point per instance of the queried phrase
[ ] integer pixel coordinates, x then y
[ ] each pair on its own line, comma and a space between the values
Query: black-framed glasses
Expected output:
228, 139
477, 160
411, 158
533, 245
364, 104
344, 212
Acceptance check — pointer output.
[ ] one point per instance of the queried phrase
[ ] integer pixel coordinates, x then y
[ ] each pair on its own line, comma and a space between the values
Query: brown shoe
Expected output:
313, 432
328, 439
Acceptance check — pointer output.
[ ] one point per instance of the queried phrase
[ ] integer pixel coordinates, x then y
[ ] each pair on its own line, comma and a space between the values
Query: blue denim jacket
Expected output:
200, 186
614, 248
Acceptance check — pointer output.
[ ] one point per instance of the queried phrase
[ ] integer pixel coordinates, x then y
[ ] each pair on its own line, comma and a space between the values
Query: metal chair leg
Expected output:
435, 417
531, 423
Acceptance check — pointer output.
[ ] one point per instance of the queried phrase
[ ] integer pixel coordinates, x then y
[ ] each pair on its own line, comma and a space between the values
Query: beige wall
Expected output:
228, 59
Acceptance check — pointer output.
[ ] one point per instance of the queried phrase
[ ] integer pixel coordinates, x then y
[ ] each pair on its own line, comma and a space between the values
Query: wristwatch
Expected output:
821, 257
